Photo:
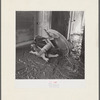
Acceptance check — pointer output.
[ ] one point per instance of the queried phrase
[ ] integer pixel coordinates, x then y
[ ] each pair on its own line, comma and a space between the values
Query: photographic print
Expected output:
49, 50
50, 45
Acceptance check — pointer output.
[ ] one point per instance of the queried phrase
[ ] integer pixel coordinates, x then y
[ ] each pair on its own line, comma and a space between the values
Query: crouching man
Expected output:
45, 48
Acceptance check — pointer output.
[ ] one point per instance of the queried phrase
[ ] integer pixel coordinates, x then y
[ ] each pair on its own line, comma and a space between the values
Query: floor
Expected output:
29, 66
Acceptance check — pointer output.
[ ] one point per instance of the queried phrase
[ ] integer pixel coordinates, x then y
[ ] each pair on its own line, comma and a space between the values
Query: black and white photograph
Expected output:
50, 50
50, 45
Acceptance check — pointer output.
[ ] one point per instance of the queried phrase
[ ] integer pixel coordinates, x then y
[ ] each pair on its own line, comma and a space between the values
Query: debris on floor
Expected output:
29, 66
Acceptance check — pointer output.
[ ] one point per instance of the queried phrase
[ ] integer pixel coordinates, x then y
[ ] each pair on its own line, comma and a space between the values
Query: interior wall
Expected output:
76, 33
78, 22
32, 23
44, 22
25, 26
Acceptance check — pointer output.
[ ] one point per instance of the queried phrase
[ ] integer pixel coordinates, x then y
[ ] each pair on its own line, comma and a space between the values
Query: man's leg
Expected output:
51, 55
43, 56
36, 53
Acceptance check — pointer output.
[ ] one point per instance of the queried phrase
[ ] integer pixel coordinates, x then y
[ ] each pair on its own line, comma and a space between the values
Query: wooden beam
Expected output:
24, 43
44, 22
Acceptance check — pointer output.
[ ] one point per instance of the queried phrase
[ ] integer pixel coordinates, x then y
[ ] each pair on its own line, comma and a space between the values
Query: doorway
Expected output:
60, 21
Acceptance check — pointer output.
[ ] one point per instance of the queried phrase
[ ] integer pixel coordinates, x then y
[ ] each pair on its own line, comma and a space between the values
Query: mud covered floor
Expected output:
29, 66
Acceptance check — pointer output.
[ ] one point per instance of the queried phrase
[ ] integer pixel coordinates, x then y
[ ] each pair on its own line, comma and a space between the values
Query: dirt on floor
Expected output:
29, 66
